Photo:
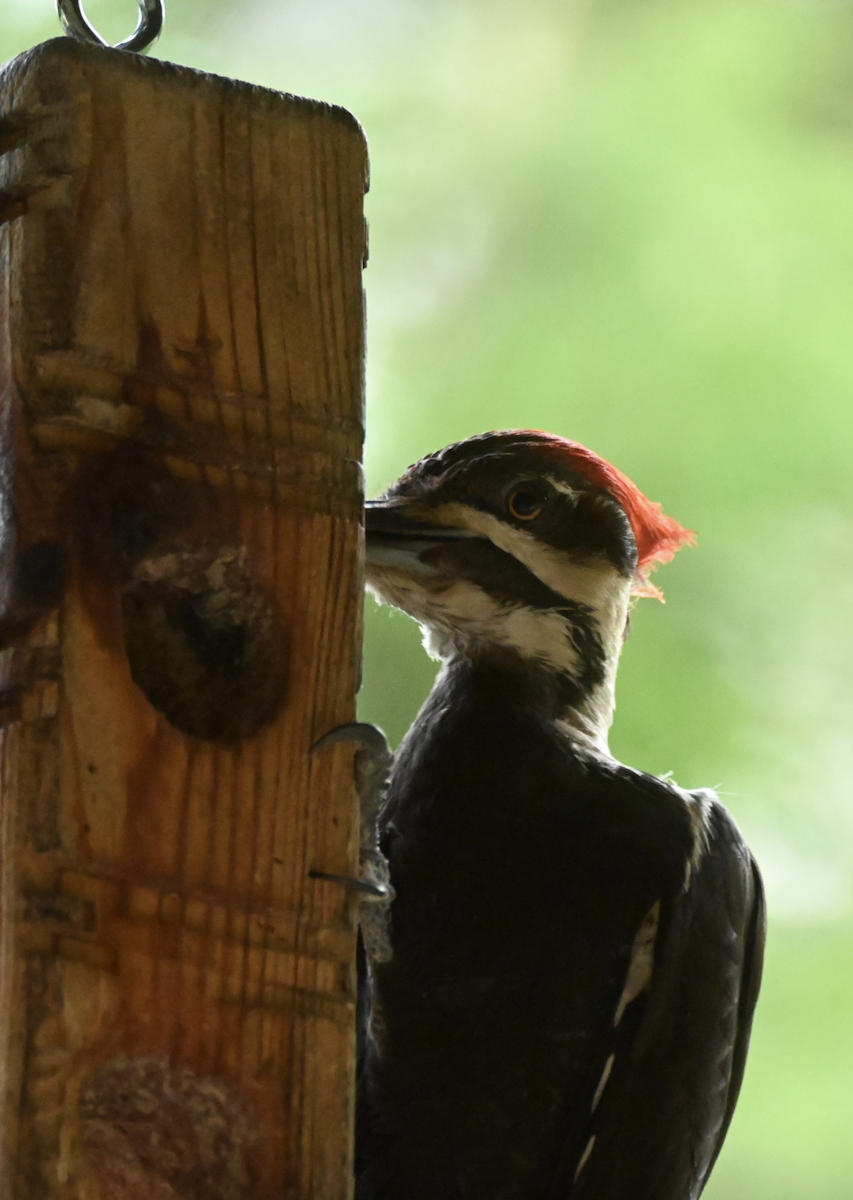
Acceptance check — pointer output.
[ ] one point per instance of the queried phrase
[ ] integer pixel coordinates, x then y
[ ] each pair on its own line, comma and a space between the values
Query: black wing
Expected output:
680, 1053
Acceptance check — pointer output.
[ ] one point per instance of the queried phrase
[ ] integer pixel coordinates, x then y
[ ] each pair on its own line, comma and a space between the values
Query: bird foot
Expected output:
372, 770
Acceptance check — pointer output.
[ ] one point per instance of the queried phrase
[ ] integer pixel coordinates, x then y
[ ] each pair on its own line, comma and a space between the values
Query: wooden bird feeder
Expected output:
181, 364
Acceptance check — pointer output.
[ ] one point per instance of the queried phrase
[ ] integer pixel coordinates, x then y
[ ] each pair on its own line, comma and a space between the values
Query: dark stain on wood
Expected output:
155, 1132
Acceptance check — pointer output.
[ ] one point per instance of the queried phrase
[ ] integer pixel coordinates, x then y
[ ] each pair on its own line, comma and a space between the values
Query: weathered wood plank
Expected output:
181, 349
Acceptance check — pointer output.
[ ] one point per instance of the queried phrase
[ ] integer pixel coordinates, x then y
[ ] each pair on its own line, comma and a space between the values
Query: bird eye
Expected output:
526, 501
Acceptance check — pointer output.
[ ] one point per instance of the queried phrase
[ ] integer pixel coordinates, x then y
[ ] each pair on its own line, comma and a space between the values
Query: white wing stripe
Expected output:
642, 961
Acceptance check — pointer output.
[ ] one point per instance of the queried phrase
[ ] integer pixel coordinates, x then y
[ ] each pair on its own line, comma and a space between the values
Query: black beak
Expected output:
396, 539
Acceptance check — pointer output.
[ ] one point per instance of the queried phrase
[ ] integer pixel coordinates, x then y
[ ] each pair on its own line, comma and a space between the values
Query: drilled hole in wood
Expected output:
202, 638
204, 644
128, 505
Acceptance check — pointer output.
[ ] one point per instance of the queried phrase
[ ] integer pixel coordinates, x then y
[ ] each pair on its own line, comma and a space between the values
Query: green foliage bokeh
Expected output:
631, 223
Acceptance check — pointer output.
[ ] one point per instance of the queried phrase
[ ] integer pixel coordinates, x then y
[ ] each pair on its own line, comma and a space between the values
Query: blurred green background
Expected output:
631, 222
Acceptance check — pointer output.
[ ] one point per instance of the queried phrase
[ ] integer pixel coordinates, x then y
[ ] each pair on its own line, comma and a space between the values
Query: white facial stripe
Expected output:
599, 586
541, 635
463, 615
582, 582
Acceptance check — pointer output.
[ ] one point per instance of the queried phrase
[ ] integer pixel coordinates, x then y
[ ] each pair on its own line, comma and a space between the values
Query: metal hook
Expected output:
75, 24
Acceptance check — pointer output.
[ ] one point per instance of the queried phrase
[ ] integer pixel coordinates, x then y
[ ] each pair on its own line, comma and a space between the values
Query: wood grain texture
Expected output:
181, 360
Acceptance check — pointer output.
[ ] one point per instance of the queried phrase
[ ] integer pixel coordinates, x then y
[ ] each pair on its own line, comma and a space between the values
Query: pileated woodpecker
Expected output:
575, 946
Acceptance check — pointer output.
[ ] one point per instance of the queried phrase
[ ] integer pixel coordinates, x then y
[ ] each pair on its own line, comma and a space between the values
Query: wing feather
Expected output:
680, 1052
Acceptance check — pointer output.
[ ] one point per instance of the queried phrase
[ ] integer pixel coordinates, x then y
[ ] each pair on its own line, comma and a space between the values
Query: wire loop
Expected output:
74, 22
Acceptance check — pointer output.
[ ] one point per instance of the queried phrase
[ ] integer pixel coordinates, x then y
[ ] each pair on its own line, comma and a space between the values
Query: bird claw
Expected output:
368, 736
372, 770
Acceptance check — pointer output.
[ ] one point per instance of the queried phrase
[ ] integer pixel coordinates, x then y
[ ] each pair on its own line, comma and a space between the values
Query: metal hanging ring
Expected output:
74, 22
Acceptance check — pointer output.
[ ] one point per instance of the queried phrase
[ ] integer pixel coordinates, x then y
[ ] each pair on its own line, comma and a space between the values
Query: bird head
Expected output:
522, 541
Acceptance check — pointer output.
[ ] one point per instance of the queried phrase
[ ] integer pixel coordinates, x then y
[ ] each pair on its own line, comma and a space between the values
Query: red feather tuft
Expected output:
658, 537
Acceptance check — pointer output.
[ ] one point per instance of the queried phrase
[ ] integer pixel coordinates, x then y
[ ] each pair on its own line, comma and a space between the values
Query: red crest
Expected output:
658, 536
